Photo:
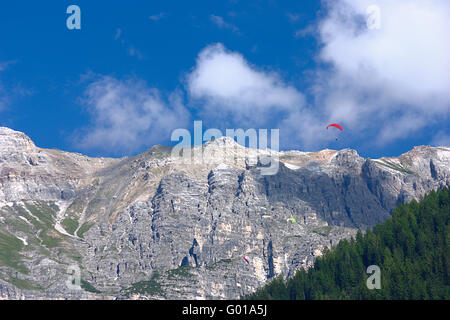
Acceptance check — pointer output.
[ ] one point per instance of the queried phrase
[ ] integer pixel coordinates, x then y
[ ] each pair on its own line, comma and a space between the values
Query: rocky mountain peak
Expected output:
180, 230
14, 141
222, 141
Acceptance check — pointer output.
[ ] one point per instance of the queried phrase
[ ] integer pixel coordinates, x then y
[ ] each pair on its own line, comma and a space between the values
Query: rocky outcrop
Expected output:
155, 227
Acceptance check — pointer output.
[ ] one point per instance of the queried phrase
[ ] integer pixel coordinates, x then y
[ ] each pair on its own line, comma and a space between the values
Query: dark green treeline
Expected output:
411, 249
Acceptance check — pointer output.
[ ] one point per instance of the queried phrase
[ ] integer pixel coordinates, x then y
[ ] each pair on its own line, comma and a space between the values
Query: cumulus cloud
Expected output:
127, 115
227, 85
395, 77
389, 82
441, 139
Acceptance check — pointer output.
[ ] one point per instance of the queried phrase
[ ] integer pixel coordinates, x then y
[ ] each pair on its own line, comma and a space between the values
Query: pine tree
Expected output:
412, 250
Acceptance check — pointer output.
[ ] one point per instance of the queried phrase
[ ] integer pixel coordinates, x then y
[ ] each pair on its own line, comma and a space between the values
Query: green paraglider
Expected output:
292, 220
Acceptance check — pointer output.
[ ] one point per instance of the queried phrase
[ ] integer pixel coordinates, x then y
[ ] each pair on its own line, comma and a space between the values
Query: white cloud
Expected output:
220, 22
388, 83
303, 129
441, 139
126, 115
229, 86
396, 77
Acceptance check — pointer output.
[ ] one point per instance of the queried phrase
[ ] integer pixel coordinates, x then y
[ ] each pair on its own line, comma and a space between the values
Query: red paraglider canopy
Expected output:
335, 125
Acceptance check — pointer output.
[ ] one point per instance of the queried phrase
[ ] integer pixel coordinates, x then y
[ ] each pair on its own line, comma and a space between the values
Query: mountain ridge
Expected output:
152, 226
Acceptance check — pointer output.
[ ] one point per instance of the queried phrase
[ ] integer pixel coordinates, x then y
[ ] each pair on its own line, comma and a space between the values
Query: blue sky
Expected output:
139, 69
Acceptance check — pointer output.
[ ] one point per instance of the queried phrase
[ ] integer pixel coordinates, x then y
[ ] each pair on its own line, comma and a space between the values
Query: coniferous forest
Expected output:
411, 249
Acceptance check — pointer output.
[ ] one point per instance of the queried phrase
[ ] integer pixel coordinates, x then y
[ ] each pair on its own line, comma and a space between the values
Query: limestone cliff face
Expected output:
154, 227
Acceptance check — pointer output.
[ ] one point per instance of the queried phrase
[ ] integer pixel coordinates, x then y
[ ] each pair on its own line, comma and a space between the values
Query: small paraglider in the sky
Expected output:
292, 227
336, 126
246, 259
